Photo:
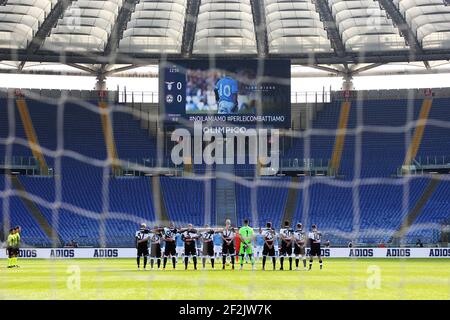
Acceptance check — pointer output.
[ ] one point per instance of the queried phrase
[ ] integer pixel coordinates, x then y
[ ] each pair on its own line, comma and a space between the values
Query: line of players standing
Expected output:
293, 244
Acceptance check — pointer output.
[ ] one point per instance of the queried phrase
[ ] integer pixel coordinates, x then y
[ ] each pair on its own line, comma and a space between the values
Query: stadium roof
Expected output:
140, 32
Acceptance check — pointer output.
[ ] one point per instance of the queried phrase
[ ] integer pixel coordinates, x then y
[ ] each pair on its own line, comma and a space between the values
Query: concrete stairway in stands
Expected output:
225, 196
292, 200
36, 212
416, 210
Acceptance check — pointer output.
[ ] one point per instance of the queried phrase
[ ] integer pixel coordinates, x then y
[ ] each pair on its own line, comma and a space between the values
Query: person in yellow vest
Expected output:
17, 231
10, 247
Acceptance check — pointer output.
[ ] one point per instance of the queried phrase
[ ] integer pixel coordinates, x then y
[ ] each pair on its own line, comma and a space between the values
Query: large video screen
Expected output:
237, 92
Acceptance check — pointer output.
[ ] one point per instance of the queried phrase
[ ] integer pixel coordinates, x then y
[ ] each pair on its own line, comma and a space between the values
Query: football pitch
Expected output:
119, 279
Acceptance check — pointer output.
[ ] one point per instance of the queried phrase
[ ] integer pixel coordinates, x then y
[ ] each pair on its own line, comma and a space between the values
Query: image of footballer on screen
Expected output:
220, 92
226, 91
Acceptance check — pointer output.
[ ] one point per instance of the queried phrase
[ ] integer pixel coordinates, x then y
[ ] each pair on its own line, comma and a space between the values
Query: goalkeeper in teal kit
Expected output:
247, 235
226, 91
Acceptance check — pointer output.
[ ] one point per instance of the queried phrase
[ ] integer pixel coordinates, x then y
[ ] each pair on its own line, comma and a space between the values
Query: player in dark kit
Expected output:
155, 252
269, 246
228, 244
314, 242
300, 246
142, 237
170, 248
286, 235
208, 245
189, 236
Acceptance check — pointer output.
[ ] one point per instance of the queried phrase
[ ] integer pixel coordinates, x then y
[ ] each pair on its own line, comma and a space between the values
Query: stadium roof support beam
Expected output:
43, 72
366, 68
121, 69
119, 27
146, 59
259, 20
405, 30
295, 74
46, 27
327, 69
369, 73
83, 68
330, 27
406, 72
113, 40
190, 27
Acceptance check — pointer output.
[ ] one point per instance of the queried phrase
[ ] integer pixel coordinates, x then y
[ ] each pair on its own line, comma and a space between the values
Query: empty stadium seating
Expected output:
434, 145
184, 199
267, 203
12, 209
132, 142
320, 142
97, 209
91, 214
428, 223
381, 152
78, 181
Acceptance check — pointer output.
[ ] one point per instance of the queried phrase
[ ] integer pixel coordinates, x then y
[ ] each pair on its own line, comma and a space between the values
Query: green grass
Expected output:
119, 279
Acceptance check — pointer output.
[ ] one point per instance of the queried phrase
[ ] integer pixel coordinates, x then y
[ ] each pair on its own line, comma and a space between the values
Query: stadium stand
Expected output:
434, 213
83, 131
12, 209
132, 142
330, 206
265, 202
44, 118
84, 218
79, 181
377, 220
377, 161
392, 113
321, 146
433, 146
18, 150
185, 199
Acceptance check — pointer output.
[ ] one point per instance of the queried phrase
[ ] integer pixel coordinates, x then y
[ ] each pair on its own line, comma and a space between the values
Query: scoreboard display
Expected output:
237, 92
